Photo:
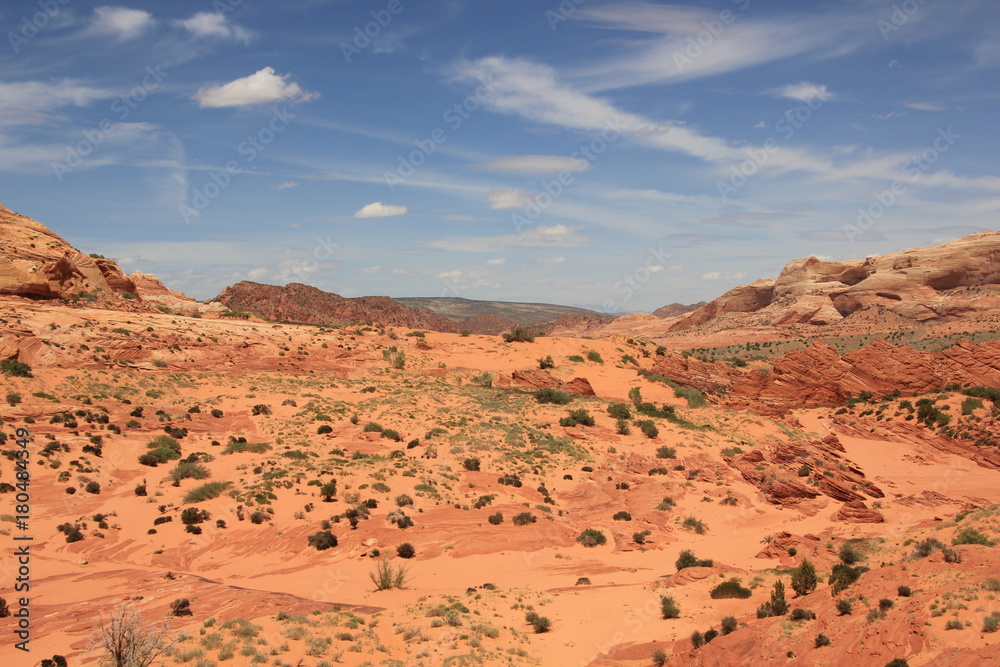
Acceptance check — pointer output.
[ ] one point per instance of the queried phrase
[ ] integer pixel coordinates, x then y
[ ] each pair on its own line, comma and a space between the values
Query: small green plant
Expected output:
822, 640
14, 368
591, 537
728, 626
386, 577
539, 623
518, 335
688, 559
697, 525
406, 550
729, 589
972, 536
992, 622
595, 356
844, 607
554, 396
669, 608
804, 579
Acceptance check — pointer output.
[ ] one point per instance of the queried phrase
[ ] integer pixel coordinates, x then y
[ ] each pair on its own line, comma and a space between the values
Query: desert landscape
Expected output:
803, 471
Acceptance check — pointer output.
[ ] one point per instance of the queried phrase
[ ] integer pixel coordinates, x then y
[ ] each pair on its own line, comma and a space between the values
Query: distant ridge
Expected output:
458, 309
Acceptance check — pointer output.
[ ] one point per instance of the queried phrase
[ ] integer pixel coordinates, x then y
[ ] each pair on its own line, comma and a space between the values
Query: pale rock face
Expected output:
911, 284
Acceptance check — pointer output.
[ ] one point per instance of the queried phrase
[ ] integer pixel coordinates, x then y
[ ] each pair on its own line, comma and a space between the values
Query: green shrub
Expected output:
697, 640
523, 519
648, 428
496, 519
619, 411
518, 335
595, 356
822, 640
591, 537
729, 589
688, 559
554, 396
669, 608
659, 658
695, 398
697, 525
728, 625
386, 576
206, 492
991, 623
577, 417
666, 453
849, 555
804, 579
904, 591
925, 547
971, 536
843, 575
15, 368
622, 516
539, 623
406, 550
844, 607
189, 470
546, 362
13, 398
322, 540
403, 500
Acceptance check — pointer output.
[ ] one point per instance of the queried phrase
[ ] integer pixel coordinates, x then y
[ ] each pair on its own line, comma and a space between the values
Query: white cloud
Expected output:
805, 91
372, 269
660, 37
286, 185
259, 88
380, 210
121, 22
535, 164
724, 275
499, 261
665, 197
508, 199
554, 236
209, 24
924, 106
21, 102
258, 273
450, 275
552, 260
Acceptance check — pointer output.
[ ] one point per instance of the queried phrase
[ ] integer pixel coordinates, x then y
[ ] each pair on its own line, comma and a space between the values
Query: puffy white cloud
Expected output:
535, 164
380, 210
499, 261
259, 88
508, 198
121, 22
209, 24
805, 91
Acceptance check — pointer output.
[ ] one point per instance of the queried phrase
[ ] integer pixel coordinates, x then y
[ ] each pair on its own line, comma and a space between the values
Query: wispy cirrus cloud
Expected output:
535, 164
206, 25
552, 236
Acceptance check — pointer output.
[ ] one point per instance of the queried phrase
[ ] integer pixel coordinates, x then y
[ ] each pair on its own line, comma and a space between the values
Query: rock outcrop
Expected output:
912, 284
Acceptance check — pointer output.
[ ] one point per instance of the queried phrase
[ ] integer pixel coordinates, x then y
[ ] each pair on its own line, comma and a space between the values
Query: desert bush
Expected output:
471, 464
844, 607
729, 589
591, 537
971, 536
15, 368
697, 640
728, 625
619, 411
821, 641
554, 396
496, 519
92, 487
991, 623
688, 559
668, 607
801, 614
323, 429
648, 428
659, 658
849, 555
13, 398
844, 575
518, 335
577, 417
181, 607
777, 605
328, 490
539, 623
322, 540
904, 591
206, 492
697, 525
258, 518
546, 362
402, 500
385, 576
666, 453
406, 550
188, 470
193, 515
925, 547
622, 516
523, 519
804, 579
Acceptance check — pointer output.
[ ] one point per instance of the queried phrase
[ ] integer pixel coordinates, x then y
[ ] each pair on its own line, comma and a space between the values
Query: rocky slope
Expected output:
296, 302
921, 285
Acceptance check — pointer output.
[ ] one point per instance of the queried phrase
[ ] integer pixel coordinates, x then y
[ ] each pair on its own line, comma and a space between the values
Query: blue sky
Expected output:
613, 155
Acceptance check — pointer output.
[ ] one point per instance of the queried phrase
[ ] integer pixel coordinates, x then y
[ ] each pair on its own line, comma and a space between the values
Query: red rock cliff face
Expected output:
35, 262
818, 376
301, 303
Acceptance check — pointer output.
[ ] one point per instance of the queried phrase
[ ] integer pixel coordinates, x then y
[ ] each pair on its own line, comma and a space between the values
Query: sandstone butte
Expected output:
830, 441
